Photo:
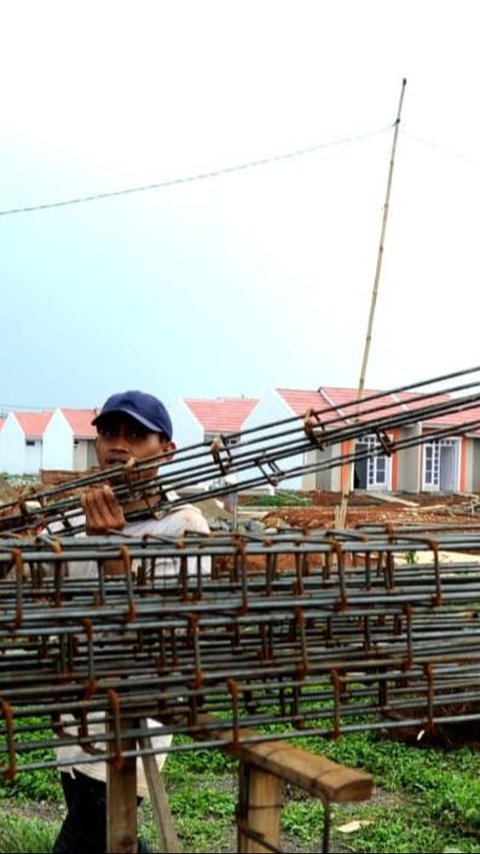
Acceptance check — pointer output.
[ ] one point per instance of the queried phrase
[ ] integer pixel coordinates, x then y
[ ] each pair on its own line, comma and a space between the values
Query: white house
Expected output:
273, 408
199, 419
60, 439
64, 440
21, 442
68, 440
446, 464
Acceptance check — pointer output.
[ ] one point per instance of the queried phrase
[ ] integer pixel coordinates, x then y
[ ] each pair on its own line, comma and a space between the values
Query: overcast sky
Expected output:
257, 277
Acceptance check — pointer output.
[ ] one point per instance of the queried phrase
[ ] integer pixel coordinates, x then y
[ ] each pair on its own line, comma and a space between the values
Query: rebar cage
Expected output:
322, 632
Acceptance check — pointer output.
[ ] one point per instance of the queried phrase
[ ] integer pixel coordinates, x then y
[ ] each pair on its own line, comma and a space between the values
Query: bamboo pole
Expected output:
373, 302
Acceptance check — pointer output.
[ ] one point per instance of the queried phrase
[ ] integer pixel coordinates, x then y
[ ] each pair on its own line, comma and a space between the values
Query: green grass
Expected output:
432, 796
430, 801
28, 835
282, 499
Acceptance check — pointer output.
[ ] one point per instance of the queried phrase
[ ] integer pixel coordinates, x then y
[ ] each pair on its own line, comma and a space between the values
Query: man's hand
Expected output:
102, 510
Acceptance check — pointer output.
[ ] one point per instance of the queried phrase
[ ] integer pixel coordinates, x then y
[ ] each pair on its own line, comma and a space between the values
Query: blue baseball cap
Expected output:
145, 408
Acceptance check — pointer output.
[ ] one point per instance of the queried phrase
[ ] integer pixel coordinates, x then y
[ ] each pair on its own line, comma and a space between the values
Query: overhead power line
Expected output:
11, 407
443, 148
191, 178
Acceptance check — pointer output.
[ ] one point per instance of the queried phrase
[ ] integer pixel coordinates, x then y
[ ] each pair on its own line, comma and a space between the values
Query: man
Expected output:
130, 425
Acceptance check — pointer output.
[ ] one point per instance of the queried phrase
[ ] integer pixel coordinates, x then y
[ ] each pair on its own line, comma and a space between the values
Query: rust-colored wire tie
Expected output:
221, 454
192, 634
117, 758
274, 474
311, 423
59, 573
429, 672
7, 712
386, 442
183, 572
270, 569
337, 691
126, 558
233, 689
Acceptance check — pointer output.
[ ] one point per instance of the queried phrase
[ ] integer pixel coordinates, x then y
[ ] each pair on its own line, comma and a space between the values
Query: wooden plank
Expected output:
167, 835
260, 807
122, 797
321, 777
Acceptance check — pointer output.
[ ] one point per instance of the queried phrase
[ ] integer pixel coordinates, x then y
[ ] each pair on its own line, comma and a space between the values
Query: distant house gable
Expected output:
342, 404
69, 442
300, 401
21, 440
33, 424
448, 466
80, 421
221, 414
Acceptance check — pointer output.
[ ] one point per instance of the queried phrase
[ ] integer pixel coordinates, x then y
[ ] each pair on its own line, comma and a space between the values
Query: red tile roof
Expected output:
80, 422
33, 423
301, 401
221, 414
343, 400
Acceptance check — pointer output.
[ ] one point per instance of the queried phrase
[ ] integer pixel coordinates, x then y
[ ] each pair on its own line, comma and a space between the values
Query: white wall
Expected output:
12, 446
269, 409
84, 456
409, 461
33, 456
187, 430
57, 443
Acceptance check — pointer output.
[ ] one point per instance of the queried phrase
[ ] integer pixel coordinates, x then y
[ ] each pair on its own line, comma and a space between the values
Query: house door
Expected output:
372, 471
33, 456
440, 465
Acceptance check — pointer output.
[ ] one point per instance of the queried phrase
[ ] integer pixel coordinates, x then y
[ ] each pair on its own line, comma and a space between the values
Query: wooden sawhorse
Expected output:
263, 769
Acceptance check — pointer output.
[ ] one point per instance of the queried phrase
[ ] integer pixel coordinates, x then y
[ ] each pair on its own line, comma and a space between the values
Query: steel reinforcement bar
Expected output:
269, 454
324, 632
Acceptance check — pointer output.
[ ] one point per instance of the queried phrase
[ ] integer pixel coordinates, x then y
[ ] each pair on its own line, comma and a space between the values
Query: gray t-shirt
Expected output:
173, 524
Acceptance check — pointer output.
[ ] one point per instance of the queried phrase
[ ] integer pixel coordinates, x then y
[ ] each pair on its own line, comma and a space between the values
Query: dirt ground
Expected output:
420, 509
396, 509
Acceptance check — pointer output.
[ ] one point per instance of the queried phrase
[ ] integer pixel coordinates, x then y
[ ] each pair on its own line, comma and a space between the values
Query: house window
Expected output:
432, 465
230, 438
440, 465
30, 443
373, 470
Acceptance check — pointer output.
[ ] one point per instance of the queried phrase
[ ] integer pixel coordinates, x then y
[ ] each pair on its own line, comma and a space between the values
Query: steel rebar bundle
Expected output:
271, 453
348, 635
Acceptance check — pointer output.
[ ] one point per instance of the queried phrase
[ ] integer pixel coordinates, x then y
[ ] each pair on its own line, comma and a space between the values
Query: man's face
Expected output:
121, 437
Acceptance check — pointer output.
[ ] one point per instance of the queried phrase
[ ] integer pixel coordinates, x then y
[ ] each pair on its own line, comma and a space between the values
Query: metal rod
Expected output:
374, 643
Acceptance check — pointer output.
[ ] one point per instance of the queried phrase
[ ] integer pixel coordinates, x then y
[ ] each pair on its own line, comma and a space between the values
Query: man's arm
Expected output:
104, 514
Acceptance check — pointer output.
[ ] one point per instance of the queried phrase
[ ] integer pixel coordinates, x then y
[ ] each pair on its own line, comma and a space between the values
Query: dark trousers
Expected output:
84, 828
